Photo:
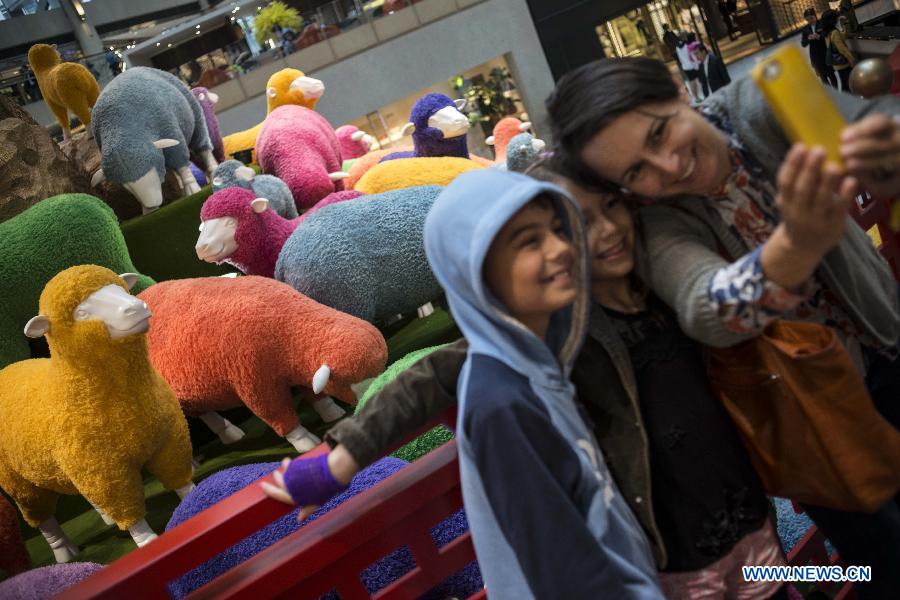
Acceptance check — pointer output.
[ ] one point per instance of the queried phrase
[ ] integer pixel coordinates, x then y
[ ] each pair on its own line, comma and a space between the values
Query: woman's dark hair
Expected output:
809, 12
591, 97
829, 21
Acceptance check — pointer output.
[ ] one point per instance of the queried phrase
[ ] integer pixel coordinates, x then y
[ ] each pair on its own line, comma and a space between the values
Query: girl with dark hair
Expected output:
838, 55
725, 177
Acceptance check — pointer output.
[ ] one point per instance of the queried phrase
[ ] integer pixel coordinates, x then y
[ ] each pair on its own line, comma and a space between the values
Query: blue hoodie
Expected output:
546, 518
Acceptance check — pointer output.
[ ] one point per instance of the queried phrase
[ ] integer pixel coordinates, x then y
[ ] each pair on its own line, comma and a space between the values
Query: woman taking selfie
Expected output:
723, 182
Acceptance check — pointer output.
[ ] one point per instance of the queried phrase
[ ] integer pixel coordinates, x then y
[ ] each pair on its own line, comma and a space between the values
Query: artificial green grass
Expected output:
161, 244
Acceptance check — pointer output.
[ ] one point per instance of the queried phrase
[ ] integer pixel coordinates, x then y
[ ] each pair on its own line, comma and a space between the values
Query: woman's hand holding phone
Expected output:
870, 149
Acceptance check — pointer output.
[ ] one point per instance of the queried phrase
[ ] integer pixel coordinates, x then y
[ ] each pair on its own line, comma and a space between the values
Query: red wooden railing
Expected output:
322, 556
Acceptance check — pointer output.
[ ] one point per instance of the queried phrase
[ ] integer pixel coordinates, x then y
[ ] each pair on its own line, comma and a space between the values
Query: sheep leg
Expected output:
172, 462
359, 388
187, 180
63, 549
228, 432
141, 533
210, 162
302, 439
425, 310
62, 117
326, 408
36, 504
184, 490
103, 515
271, 401
81, 109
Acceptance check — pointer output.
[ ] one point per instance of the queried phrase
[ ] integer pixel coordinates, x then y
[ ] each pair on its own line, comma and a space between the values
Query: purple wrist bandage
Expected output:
309, 481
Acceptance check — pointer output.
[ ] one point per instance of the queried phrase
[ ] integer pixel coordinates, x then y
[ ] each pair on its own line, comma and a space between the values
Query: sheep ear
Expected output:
214, 98
97, 178
408, 129
259, 205
338, 175
37, 326
460, 103
525, 126
130, 279
271, 93
489, 141
357, 135
165, 143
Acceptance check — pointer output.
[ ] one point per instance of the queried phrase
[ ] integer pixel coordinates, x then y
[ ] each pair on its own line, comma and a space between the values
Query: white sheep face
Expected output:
450, 121
122, 313
216, 241
147, 189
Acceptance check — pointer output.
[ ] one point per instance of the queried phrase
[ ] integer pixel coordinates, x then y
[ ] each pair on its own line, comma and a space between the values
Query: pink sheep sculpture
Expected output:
354, 141
13, 555
298, 146
241, 229
221, 343
504, 131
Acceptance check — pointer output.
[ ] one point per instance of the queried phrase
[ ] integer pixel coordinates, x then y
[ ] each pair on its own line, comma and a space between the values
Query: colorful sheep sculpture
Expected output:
13, 555
522, 151
504, 131
438, 128
234, 173
412, 172
354, 141
287, 86
208, 100
240, 229
89, 418
65, 86
298, 146
223, 343
364, 257
376, 577
46, 582
137, 146
37, 244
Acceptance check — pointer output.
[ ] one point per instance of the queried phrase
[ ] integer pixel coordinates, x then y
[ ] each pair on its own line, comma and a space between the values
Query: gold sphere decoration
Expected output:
871, 77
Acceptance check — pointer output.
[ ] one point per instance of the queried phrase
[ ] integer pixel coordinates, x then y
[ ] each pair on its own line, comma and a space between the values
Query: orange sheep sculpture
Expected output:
65, 86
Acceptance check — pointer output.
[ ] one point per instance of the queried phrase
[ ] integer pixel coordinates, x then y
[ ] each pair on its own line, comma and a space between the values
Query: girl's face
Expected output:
529, 266
610, 230
662, 149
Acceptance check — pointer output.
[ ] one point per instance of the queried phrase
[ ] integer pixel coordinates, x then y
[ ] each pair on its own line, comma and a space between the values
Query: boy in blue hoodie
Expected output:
546, 518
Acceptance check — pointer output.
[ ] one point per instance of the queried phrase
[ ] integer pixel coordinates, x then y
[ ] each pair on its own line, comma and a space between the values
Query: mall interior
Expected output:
310, 106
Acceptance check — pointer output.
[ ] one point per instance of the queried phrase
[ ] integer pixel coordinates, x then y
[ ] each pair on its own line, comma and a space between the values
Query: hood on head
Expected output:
459, 230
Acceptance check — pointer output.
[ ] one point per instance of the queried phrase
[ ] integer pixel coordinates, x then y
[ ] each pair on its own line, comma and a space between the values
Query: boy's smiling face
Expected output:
529, 266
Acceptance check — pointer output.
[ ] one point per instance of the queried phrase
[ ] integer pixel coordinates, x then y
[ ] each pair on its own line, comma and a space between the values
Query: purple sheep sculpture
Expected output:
240, 229
299, 146
207, 100
376, 577
46, 582
438, 128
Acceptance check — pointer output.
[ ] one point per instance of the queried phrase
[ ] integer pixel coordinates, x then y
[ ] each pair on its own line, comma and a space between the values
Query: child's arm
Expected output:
529, 473
416, 396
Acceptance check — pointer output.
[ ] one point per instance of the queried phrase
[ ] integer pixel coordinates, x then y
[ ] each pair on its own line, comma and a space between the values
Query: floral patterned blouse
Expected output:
740, 293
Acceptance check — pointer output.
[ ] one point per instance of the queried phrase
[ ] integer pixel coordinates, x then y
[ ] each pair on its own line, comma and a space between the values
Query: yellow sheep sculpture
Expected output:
287, 86
410, 172
65, 86
89, 418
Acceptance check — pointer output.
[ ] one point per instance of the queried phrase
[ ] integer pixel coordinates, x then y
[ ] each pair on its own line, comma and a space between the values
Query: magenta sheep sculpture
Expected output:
299, 146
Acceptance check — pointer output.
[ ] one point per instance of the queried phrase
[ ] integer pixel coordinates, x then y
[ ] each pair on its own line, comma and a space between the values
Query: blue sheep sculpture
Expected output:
145, 121
366, 256
233, 173
227, 482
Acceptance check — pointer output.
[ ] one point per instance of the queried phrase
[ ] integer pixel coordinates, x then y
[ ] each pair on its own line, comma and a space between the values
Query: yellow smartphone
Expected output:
799, 101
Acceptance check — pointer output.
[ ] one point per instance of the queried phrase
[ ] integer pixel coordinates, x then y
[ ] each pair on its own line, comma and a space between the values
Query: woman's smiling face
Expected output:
659, 150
